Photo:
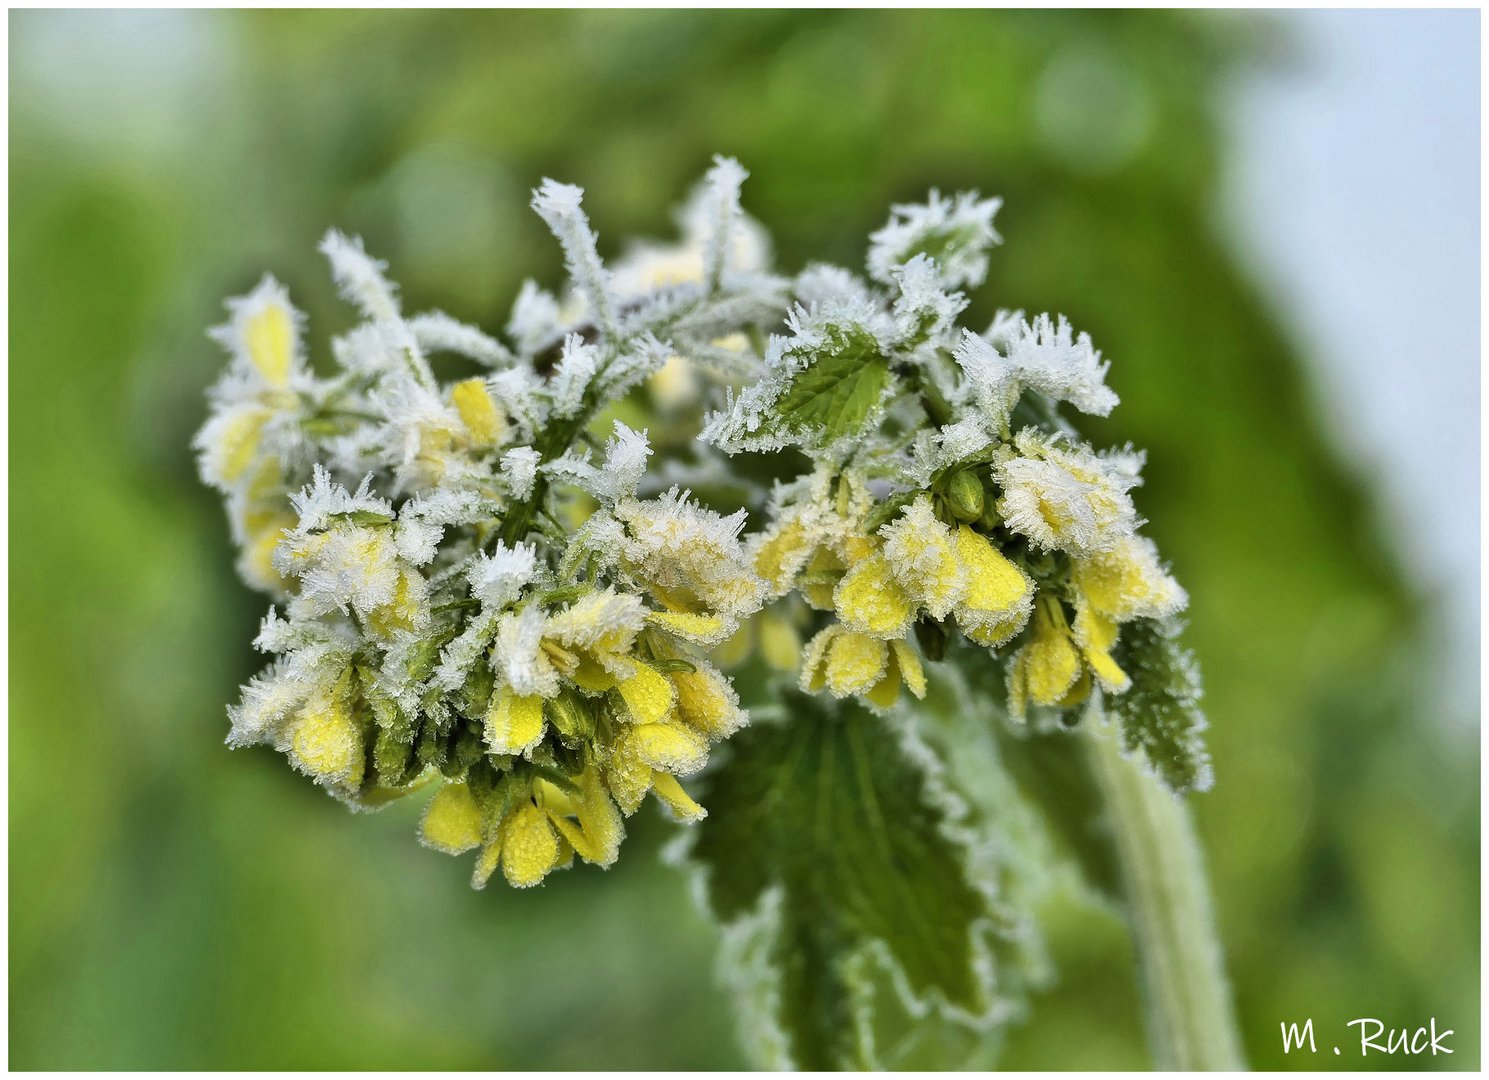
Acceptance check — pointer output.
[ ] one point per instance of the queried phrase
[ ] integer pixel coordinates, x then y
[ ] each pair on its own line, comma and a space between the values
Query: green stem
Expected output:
1191, 1023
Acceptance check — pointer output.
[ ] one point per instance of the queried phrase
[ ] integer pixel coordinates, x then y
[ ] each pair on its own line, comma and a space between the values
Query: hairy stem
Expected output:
1191, 1023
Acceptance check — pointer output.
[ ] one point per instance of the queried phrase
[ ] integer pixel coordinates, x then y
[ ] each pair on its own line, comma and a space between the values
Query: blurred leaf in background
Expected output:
175, 906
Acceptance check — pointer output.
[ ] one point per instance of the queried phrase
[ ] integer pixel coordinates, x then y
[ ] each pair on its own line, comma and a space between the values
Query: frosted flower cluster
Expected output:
501, 590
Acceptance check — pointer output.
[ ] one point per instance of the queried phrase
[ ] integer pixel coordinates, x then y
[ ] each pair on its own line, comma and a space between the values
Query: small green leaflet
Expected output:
827, 841
842, 382
1159, 713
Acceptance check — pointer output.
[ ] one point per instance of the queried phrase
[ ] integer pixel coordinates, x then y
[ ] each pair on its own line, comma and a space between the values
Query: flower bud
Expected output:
965, 497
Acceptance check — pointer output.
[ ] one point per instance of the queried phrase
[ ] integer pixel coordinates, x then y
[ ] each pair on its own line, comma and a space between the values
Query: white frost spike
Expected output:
625, 461
497, 579
821, 283
1047, 356
417, 539
438, 332
373, 348
519, 466
559, 206
577, 369
535, 318
723, 181
360, 277
323, 498
924, 309
518, 655
956, 232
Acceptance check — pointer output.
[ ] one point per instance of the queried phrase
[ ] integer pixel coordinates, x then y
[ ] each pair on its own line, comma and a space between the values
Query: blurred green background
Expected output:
174, 905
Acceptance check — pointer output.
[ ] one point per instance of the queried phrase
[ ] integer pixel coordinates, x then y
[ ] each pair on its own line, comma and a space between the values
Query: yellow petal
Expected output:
257, 562
737, 648
813, 660
707, 701
269, 339
855, 662
628, 778
1077, 693
1052, 663
886, 691
1128, 582
921, 551
870, 601
1096, 634
403, 612
674, 748
671, 792
998, 632
998, 592
452, 820
327, 744
239, 443
486, 863
529, 848
911, 669
478, 411
597, 834
780, 556
699, 629
780, 641
514, 722
647, 693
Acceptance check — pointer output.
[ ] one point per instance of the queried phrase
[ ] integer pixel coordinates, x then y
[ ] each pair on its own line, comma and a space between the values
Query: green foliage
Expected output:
1159, 714
843, 381
838, 845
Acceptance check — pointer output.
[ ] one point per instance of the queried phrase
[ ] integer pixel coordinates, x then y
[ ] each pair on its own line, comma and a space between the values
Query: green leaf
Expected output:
830, 852
1159, 714
838, 389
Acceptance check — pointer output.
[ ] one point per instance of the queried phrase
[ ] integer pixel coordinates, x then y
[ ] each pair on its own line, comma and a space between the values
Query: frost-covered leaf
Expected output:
833, 855
839, 388
955, 233
1160, 714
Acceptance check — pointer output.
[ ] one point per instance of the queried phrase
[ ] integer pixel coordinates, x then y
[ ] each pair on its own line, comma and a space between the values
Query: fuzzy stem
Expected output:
1191, 1022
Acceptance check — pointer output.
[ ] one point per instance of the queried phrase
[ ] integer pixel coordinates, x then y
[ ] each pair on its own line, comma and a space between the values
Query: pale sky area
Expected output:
1353, 197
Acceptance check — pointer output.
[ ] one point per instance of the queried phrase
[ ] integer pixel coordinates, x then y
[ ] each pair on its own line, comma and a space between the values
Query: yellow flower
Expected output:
1067, 497
482, 417
270, 340
869, 600
1048, 665
904, 667
849, 663
690, 558
452, 821
999, 595
648, 694
264, 529
514, 722
647, 757
923, 558
539, 830
1053, 667
591, 641
326, 741
669, 736
1128, 582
